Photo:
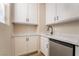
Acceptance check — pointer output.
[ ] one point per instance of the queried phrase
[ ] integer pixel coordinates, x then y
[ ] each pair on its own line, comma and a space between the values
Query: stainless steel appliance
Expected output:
59, 48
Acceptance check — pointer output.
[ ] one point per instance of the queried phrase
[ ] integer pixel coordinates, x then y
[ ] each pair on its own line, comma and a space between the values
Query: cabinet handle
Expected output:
47, 46
27, 19
57, 18
54, 18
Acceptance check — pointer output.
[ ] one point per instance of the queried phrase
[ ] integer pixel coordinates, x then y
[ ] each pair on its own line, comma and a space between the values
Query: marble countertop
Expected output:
73, 39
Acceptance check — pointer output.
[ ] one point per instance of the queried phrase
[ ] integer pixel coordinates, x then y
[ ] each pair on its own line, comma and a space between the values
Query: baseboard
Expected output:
42, 53
28, 54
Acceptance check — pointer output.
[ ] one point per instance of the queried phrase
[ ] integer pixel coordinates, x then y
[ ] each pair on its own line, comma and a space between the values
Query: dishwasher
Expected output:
59, 48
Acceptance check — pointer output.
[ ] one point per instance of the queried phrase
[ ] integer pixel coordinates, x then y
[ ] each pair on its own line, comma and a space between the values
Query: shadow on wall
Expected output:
69, 28
5, 49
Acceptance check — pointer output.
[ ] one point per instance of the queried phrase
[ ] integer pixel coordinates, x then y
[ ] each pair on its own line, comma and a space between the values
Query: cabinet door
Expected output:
20, 45
67, 11
45, 45
20, 12
50, 13
63, 12
33, 12
33, 44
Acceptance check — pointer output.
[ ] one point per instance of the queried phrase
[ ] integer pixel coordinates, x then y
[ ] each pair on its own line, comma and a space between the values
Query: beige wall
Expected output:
8, 21
5, 48
41, 18
7, 14
19, 28
68, 28
5, 33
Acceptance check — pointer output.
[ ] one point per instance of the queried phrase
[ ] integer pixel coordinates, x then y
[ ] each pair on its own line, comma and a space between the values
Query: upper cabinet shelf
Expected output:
61, 12
26, 13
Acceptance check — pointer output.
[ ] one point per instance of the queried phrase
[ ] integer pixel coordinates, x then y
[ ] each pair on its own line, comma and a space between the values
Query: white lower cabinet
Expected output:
44, 46
33, 43
25, 45
20, 45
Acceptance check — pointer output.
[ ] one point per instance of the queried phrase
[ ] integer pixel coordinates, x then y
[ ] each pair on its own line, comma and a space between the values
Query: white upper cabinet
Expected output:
20, 13
33, 13
62, 12
26, 13
67, 12
50, 13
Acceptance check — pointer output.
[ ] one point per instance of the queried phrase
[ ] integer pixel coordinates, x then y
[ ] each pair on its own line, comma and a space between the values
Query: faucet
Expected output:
50, 28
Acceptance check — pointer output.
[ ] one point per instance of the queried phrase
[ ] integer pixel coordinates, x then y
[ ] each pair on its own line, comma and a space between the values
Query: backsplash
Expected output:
25, 28
68, 28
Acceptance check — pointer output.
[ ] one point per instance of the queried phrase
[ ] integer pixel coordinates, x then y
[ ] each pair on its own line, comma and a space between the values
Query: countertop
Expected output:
73, 39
